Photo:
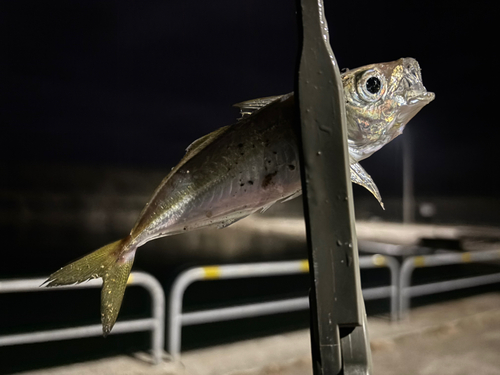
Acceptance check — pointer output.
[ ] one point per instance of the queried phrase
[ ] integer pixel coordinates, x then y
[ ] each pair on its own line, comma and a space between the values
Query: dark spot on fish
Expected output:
250, 182
268, 180
291, 167
240, 145
209, 214
242, 153
253, 146
242, 184
275, 153
185, 228
269, 161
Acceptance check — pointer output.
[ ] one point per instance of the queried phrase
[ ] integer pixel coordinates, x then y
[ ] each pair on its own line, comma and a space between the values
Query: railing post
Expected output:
157, 310
404, 282
175, 308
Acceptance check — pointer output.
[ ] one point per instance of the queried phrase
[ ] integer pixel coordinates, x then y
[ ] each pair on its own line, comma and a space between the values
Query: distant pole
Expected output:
408, 193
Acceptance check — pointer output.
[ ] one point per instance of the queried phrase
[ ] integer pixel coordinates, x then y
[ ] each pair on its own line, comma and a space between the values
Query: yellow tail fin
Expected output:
113, 265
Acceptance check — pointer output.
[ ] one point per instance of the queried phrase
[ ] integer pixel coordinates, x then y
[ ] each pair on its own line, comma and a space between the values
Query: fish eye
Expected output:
371, 86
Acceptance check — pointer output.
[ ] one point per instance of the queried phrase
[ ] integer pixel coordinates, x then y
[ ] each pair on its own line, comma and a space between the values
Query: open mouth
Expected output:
411, 84
420, 98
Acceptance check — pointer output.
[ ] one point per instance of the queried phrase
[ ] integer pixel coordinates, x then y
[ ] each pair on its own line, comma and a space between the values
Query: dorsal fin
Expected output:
250, 106
199, 144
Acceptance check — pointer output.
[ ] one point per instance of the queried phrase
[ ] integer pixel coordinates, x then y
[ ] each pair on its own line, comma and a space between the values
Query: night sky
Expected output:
132, 83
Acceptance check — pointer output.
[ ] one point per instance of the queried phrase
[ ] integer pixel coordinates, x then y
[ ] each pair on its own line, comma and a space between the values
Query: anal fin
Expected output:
228, 222
294, 195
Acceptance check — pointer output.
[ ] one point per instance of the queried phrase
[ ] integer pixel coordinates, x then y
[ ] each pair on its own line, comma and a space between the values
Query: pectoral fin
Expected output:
360, 177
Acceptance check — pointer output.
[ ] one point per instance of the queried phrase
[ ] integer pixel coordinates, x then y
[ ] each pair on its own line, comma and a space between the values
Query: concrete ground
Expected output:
460, 337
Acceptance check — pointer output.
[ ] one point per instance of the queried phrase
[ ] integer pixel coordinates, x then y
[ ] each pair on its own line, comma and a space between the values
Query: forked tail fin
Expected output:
113, 265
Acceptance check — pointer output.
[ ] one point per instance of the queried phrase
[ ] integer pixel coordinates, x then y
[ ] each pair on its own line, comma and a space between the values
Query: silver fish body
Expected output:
237, 171
250, 165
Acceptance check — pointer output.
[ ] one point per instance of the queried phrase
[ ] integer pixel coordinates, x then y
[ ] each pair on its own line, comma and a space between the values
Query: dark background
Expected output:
99, 99
132, 83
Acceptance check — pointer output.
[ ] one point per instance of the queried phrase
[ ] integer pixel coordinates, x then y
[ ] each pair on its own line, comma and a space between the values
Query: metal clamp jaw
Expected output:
338, 320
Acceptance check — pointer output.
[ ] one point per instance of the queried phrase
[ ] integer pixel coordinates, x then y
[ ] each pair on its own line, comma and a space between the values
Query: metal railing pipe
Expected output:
156, 324
155, 289
245, 311
175, 305
75, 333
378, 260
177, 318
406, 290
449, 285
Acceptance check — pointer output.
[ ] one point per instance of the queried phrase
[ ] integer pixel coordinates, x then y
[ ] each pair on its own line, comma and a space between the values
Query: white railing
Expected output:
155, 324
406, 291
178, 319
399, 291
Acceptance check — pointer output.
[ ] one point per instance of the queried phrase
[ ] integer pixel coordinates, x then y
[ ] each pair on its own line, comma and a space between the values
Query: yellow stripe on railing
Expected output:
419, 261
212, 272
378, 260
466, 257
304, 265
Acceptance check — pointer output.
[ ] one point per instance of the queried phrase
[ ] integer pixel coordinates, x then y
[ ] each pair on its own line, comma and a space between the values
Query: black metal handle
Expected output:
336, 303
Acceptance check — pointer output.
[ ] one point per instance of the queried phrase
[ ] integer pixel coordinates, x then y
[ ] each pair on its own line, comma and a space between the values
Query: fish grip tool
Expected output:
338, 320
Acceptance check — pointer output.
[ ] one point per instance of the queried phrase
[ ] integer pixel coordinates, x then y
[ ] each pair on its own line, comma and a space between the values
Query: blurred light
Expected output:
427, 209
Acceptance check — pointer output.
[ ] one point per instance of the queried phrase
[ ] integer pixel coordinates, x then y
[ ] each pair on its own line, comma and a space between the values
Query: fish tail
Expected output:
112, 263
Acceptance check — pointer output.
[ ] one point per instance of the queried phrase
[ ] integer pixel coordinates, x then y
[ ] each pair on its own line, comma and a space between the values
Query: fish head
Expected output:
380, 100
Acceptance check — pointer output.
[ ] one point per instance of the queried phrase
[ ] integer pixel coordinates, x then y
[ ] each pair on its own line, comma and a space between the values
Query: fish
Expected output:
248, 166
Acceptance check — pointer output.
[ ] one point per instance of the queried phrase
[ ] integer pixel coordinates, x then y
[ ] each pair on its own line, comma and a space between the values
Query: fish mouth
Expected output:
411, 84
414, 103
420, 98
